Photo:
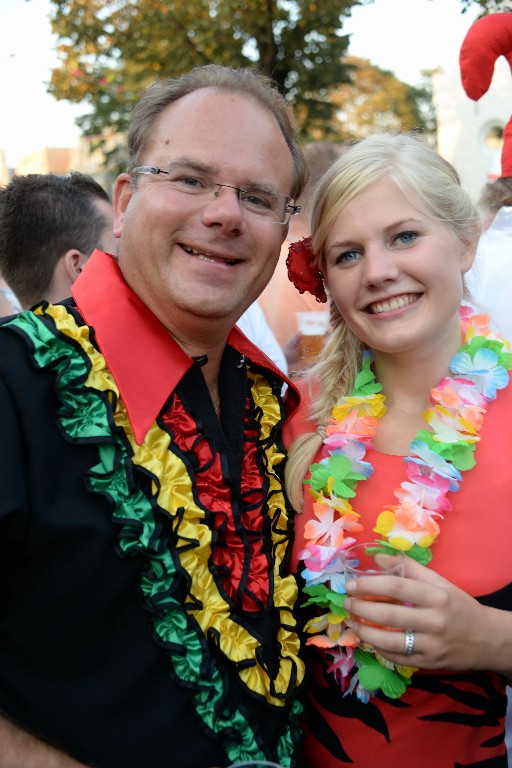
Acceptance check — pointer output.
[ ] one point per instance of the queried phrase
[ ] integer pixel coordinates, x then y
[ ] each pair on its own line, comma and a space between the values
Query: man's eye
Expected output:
255, 199
190, 182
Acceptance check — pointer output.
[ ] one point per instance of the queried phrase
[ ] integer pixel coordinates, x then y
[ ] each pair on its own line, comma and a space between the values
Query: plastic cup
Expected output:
362, 560
313, 327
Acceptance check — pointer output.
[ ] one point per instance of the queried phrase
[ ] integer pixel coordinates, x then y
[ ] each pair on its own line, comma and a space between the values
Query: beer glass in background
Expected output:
313, 327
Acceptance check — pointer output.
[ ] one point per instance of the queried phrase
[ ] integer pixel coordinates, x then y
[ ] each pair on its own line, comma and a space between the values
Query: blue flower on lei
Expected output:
432, 461
355, 451
483, 369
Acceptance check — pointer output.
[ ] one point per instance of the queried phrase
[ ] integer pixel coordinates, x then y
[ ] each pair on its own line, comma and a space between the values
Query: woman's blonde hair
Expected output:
417, 170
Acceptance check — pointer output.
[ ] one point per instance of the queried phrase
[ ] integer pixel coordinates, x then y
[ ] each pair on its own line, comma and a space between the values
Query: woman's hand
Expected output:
451, 629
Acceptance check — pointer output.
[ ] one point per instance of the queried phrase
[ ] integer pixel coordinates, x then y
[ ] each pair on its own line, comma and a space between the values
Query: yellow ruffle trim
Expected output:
173, 492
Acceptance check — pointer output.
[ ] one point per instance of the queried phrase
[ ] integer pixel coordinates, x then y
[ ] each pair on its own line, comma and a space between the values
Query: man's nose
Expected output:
224, 208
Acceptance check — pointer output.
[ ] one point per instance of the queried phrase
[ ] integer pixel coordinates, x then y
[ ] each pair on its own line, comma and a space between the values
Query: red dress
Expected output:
445, 719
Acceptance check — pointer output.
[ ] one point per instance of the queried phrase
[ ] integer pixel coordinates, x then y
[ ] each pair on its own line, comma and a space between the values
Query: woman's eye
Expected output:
405, 238
347, 258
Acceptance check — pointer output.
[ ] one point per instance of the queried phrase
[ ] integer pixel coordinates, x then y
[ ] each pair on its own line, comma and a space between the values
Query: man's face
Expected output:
192, 257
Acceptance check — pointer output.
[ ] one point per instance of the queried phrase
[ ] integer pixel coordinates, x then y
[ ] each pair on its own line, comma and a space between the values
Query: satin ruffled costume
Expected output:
147, 613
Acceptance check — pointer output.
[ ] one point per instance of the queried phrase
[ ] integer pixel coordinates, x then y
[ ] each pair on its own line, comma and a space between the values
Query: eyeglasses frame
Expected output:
290, 208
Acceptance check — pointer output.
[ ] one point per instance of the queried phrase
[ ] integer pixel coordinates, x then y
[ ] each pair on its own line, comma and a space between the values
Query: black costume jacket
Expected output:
145, 603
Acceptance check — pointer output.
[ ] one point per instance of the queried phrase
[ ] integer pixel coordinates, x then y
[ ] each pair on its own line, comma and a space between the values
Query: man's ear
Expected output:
65, 272
121, 197
72, 263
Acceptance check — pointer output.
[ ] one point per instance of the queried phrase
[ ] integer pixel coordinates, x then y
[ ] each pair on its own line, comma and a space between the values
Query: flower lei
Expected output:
302, 269
433, 469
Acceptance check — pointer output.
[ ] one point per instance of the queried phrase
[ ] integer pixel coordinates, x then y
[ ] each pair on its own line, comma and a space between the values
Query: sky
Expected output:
404, 36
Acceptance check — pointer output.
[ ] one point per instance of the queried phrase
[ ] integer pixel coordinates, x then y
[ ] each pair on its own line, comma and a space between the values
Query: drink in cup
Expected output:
363, 560
313, 328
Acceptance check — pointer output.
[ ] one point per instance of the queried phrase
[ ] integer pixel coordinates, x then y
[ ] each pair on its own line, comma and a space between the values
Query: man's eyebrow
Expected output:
201, 167
193, 164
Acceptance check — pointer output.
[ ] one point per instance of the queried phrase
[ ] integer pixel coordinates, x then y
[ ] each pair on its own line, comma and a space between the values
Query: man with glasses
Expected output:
146, 612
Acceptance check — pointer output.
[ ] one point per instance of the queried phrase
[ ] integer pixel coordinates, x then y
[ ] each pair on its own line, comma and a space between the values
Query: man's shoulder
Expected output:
43, 324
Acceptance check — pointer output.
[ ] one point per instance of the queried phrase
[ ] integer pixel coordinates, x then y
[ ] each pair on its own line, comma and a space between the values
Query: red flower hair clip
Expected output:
302, 271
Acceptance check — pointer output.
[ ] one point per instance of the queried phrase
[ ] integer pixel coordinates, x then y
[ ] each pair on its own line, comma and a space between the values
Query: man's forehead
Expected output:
215, 118
224, 131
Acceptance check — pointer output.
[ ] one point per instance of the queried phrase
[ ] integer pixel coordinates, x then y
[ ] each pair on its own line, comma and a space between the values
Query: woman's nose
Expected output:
379, 265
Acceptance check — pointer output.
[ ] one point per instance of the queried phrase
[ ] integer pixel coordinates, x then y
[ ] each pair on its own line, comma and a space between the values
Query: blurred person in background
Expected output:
281, 300
9, 304
49, 226
490, 279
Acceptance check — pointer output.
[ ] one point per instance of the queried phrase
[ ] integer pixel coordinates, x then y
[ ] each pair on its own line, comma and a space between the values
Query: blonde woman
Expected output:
405, 437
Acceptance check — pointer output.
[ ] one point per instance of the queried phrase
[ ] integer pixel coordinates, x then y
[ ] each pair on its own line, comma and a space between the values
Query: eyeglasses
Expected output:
265, 203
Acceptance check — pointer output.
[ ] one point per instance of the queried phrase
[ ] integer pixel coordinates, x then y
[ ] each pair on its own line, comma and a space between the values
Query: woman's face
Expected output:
394, 272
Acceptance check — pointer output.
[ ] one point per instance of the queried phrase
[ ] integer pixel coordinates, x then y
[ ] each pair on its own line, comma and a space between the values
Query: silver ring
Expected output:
409, 642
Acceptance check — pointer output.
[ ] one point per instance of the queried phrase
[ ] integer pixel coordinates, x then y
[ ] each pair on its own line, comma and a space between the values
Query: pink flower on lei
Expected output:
427, 490
342, 663
353, 427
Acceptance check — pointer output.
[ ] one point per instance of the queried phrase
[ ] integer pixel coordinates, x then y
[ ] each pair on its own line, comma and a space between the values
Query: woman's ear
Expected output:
468, 255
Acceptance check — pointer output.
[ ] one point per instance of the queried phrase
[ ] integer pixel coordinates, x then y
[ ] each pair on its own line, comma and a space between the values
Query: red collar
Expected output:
135, 344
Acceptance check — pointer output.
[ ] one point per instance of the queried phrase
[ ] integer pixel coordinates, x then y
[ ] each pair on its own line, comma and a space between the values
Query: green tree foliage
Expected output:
375, 101
487, 6
110, 50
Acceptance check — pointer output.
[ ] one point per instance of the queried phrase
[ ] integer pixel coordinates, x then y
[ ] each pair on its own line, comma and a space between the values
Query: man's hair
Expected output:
245, 81
42, 216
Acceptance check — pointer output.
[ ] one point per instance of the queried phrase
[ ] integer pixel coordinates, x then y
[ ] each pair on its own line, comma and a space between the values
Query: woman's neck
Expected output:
407, 378
406, 382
